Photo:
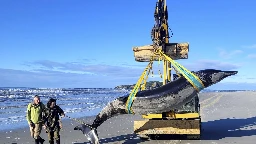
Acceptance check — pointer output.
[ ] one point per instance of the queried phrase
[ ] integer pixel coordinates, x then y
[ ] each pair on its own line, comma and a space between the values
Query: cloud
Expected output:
227, 55
51, 64
233, 86
136, 70
50, 78
76, 74
251, 78
240, 79
211, 64
251, 56
98, 69
46, 73
250, 46
215, 64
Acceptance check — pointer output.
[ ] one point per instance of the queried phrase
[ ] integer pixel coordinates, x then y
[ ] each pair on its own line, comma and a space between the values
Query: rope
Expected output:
135, 90
176, 71
159, 72
143, 87
150, 68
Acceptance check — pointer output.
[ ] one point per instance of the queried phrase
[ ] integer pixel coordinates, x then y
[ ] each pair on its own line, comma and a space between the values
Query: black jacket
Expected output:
51, 116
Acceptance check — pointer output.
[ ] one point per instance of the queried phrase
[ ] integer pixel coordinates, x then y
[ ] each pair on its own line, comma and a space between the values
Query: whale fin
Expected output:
90, 132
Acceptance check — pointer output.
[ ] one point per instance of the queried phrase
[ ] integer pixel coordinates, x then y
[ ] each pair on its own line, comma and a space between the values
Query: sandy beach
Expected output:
227, 117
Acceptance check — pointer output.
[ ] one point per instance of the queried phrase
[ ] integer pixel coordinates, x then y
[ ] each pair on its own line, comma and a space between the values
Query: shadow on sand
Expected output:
211, 130
127, 139
218, 129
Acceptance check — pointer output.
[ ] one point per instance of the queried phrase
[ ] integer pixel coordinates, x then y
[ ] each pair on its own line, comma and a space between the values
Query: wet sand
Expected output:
227, 117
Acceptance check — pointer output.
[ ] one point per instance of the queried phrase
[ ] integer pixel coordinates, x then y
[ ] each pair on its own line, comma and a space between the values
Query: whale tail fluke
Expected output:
90, 132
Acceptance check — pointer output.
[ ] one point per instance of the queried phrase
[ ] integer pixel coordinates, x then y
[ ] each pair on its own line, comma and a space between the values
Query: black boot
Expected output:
58, 141
51, 142
41, 140
36, 141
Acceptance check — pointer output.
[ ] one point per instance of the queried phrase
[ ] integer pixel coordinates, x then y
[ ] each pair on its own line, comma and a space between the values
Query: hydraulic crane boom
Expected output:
160, 35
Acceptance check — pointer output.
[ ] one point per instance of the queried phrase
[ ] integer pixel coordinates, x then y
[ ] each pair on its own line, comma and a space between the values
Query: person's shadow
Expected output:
211, 130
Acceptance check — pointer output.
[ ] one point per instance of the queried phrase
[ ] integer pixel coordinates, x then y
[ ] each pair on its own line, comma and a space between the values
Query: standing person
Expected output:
34, 118
52, 121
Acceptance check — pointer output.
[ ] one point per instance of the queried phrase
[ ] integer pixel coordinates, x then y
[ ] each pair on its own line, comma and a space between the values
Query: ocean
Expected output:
75, 105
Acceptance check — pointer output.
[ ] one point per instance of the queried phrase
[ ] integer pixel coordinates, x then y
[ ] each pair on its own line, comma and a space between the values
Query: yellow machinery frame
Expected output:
167, 122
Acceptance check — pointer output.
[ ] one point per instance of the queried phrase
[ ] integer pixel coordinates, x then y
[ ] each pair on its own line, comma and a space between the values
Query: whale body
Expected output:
162, 99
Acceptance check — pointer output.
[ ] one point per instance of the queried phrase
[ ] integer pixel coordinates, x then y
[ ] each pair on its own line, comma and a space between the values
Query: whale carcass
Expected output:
161, 99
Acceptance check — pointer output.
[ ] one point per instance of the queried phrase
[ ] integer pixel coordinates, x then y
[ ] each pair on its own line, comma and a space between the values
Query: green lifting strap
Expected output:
195, 82
135, 90
193, 79
130, 101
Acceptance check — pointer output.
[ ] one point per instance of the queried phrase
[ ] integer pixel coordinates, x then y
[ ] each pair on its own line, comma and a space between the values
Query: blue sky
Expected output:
84, 43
